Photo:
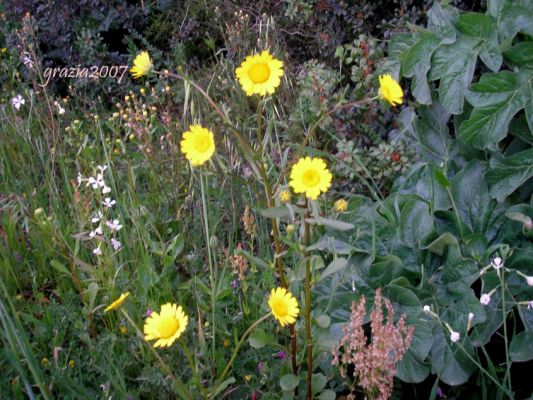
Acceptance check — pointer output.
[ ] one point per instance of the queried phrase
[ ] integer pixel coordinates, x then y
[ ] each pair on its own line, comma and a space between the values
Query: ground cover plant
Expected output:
241, 216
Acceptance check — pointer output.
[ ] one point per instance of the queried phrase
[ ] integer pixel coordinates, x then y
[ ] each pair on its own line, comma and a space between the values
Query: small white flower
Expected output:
26, 60
108, 202
497, 263
455, 336
106, 189
530, 305
470, 316
100, 180
427, 308
17, 101
97, 251
101, 168
115, 225
485, 299
96, 183
97, 217
97, 231
60, 109
79, 179
529, 280
116, 244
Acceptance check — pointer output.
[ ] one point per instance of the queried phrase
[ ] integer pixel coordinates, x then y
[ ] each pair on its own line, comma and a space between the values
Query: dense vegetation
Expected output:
353, 221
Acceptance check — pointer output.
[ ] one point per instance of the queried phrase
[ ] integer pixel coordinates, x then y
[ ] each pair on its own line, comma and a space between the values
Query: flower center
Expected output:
202, 143
168, 326
310, 178
259, 73
280, 308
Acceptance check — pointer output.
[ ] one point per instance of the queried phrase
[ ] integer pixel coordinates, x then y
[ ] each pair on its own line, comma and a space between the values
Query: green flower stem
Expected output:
483, 370
505, 335
308, 338
236, 351
212, 277
275, 231
180, 386
260, 128
259, 168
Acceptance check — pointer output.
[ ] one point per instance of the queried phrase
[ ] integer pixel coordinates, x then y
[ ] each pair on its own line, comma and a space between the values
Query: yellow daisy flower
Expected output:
260, 74
341, 205
285, 196
165, 326
142, 64
283, 305
390, 90
310, 176
198, 144
117, 303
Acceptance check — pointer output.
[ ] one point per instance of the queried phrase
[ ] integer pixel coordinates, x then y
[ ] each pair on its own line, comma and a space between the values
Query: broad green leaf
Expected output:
416, 223
441, 20
521, 130
318, 383
471, 197
496, 98
384, 270
454, 65
327, 395
406, 300
449, 361
515, 16
413, 53
323, 321
93, 291
432, 134
521, 348
59, 267
508, 174
439, 245
260, 338
331, 223
411, 369
276, 212
420, 180
336, 265
483, 27
289, 382
475, 24
520, 54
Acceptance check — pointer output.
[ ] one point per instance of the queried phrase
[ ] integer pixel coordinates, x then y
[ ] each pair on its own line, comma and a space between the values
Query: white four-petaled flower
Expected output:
108, 203
497, 263
114, 225
97, 231
26, 60
97, 217
17, 101
116, 244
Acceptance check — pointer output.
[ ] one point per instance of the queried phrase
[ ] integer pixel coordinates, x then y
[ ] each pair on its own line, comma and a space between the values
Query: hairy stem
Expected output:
308, 338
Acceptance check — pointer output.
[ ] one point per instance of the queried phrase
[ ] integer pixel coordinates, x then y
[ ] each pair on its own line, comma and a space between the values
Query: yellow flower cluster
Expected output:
167, 325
